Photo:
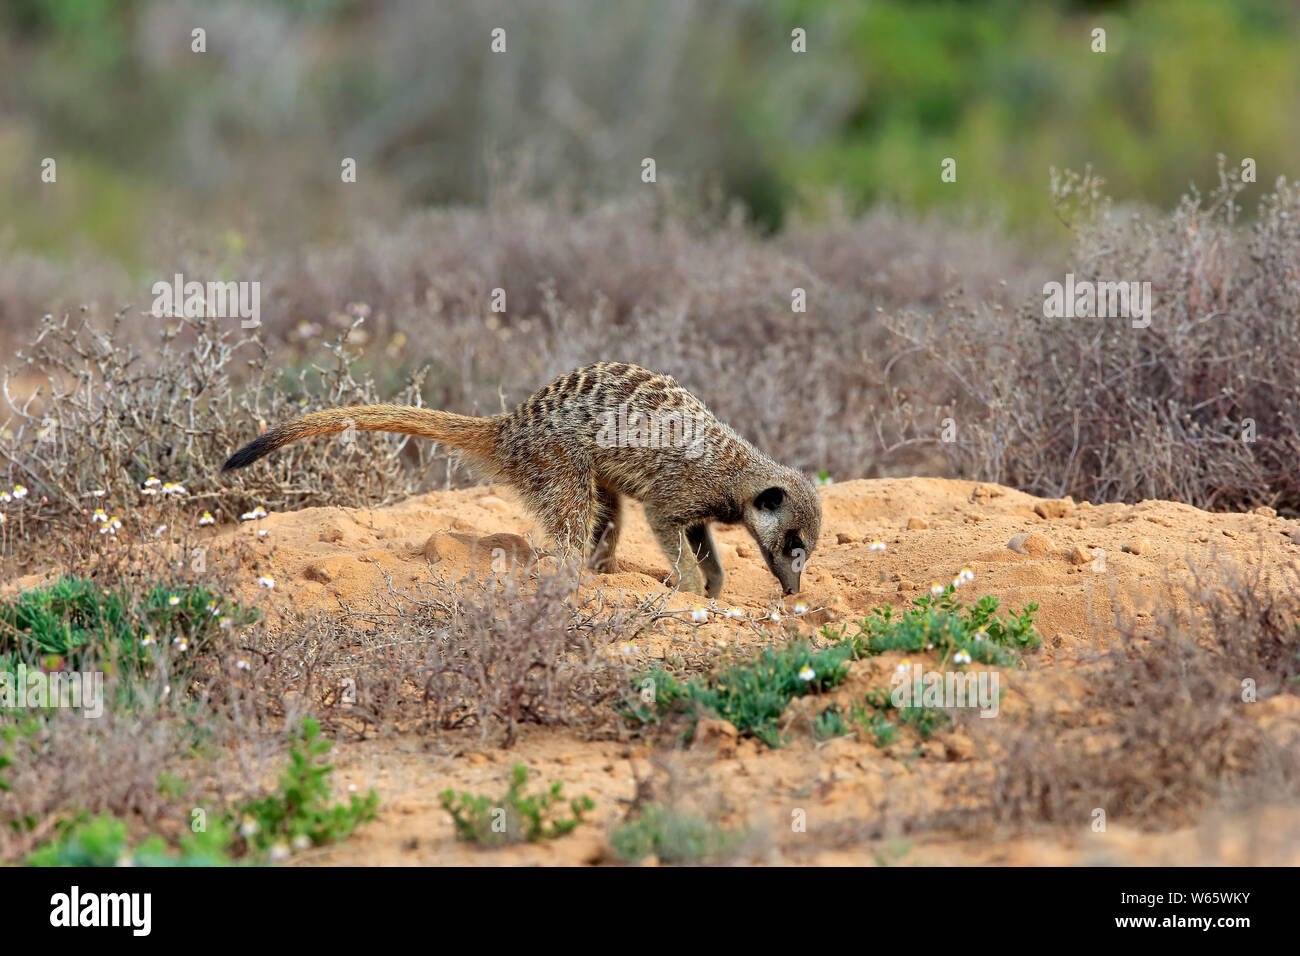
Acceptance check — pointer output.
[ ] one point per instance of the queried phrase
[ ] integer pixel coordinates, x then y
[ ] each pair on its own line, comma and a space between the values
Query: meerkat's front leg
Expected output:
671, 535
706, 553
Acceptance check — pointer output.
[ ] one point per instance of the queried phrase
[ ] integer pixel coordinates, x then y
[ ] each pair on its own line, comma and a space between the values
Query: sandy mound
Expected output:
1081, 564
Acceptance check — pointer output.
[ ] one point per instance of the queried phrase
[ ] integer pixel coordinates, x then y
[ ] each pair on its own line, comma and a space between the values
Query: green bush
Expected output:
514, 818
301, 812
673, 836
941, 623
751, 694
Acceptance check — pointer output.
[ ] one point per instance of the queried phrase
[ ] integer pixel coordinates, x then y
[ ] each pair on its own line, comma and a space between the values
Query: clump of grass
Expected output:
102, 841
515, 817
79, 624
299, 814
673, 835
830, 724
751, 694
874, 711
943, 624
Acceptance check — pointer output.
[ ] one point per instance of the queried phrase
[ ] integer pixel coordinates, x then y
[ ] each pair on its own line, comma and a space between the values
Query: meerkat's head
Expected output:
784, 515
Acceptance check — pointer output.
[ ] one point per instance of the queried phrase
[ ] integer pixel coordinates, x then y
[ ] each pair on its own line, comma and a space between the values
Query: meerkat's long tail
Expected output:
473, 435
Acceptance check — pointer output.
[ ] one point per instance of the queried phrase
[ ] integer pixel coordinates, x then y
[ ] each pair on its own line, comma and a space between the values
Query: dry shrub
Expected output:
105, 417
1201, 407
1175, 736
494, 653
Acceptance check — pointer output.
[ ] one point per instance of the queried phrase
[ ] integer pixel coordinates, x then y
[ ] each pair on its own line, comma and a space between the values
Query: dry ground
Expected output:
1081, 564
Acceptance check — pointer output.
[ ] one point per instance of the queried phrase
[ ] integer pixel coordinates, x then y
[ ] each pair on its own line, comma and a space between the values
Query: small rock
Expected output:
712, 732
1228, 532
1079, 555
1054, 508
845, 538
917, 523
1266, 512
317, 573
1139, 545
958, 747
744, 551
1032, 544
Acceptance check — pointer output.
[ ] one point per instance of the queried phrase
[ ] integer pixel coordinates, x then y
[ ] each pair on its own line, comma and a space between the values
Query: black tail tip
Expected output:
254, 450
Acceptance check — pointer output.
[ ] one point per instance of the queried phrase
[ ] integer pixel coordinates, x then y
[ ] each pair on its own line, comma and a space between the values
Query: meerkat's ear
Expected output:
770, 499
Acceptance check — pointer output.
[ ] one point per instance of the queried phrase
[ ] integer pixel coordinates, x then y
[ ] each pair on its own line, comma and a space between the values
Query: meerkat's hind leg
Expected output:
563, 497
671, 535
706, 553
608, 517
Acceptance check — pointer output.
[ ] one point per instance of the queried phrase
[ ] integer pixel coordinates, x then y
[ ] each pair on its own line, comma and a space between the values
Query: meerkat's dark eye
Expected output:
770, 499
793, 543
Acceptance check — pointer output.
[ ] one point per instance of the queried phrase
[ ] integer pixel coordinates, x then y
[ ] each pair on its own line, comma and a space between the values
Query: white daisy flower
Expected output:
265, 582
700, 614
877, 545
807, 674
206, 518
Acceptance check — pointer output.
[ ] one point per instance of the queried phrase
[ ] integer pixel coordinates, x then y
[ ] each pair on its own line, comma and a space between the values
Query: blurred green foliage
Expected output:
146, 129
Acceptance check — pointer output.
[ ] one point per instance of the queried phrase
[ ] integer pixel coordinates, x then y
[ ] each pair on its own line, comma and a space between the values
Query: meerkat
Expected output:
580, 445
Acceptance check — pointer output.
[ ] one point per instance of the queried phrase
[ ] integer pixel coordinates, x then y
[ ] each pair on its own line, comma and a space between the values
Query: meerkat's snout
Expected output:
785, 522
